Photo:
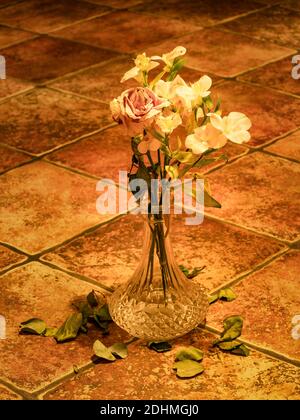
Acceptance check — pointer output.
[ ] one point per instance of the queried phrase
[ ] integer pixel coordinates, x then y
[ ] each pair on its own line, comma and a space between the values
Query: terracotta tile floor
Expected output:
64, 62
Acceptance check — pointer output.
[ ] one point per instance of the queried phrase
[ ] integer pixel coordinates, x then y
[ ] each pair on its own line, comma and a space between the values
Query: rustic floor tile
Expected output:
52, 57
45, 205
222, 53
202, 13
260, 192
11, 35
110, 254
261, 106
103, 155
276, 24
7, 394
9, 258
276, 75
11, 86
103, 82
288, 146
43, 119
100, 82
119, 31
267, 300
46, 15
145, 374
35, 290
10, 158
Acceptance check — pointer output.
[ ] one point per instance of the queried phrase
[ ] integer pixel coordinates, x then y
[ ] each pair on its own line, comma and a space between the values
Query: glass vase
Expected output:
159, 302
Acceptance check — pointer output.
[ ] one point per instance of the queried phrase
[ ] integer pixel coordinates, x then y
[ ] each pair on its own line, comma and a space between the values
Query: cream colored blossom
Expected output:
204, 138
142, 64
167, 90
169, 123
192, 95
169, 58
235, 126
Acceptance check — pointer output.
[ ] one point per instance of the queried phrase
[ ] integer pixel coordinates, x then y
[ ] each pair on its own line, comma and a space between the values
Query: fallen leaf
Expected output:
188, 368
33, 326
69, 329
101, 351
160, 347
119, 349
189, 353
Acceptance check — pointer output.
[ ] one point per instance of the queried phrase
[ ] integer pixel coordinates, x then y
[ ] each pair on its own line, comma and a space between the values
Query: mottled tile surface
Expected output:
12, 35
288, 146
277, 75
267, 300
270, 184
291, 4
9, 258
146, 374
261, 106
52, 57
120, 31
220, 52
43, 119
10, 158
100, 82
103, 155
110, 254
31, 362
276, 24
43, 205
202, 13
46, 15
7, 394
11, 86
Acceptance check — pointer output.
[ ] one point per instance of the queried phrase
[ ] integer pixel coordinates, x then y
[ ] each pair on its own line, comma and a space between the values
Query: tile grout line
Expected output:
254, 269
259, 348
12, 387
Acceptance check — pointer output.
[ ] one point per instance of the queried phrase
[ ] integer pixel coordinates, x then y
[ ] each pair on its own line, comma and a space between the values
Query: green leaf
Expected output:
234, 347
119, 349
160, 347
184, 157
33, 326
233, 326
195, 272
102, 313
242, 350
227, 294
213, 298
92, 299
86, 311
50, 332
101, 351
70, 328
203, 162
188, 368
184, 269
209, 201
189, 353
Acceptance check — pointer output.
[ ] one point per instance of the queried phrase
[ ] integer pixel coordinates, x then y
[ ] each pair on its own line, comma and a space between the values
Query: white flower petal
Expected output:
239, 136
239, 121
216, 121
130, 74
